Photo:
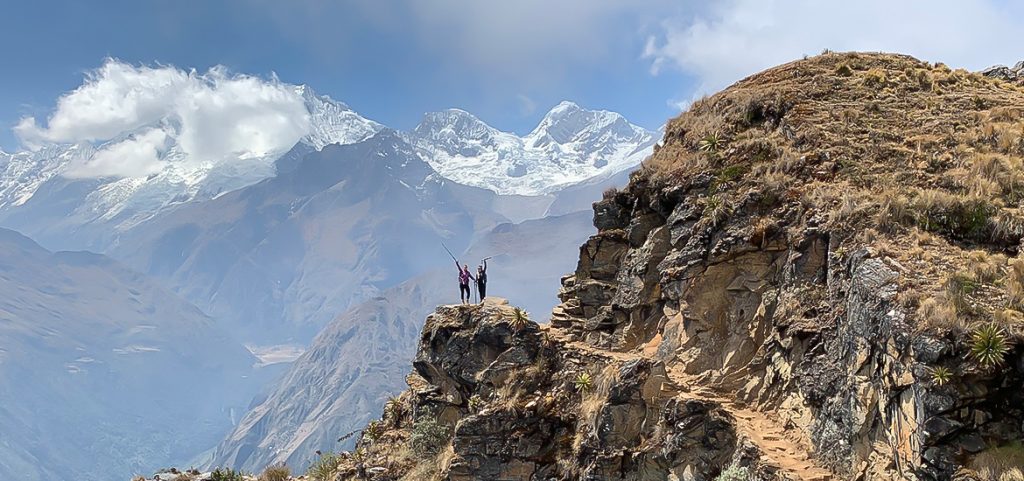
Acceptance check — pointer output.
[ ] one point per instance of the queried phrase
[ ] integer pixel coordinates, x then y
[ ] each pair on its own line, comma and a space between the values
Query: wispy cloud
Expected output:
527, 106
736, 38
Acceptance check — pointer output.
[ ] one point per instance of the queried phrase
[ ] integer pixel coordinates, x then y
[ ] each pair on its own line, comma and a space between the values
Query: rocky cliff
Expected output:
814, 277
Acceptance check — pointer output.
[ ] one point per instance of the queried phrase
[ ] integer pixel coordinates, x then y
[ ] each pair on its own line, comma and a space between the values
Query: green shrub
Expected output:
716, 210
844, 70
373, 431
325, 468
734, 473
394, 411
476, 403
963, 217
428, 437
728, 174
276, 473
989, 345
226, 474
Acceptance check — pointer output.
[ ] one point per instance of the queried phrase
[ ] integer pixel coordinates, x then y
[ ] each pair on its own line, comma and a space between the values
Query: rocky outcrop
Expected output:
1010, 74
524, 402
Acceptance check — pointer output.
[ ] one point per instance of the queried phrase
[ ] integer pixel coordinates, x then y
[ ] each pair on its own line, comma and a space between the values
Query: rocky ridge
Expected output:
779, 292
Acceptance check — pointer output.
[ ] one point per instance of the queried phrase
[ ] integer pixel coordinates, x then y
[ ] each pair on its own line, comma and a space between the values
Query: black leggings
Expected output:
482, 287
464, 291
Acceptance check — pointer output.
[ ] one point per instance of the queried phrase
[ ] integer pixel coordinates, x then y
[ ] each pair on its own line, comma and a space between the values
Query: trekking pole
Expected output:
449, 252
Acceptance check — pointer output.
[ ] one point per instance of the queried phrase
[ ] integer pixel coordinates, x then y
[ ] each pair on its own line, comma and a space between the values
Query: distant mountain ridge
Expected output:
81, 341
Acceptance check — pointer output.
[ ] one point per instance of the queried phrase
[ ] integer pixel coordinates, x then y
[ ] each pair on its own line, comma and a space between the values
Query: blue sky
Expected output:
507, 62
375, 59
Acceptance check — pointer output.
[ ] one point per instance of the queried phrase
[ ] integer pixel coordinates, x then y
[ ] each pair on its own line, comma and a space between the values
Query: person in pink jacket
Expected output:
464, 277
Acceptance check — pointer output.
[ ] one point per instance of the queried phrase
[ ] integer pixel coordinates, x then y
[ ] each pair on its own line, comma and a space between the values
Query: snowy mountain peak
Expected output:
454, 123
568, 122
569, 145
333, 122
457, 132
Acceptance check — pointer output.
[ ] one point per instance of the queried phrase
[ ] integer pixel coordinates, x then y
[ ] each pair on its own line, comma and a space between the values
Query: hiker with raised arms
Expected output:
481, 279
464, 278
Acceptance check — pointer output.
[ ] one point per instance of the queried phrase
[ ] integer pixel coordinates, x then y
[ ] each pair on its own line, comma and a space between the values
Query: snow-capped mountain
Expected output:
43, 194
333, 122
570, 145
129, 200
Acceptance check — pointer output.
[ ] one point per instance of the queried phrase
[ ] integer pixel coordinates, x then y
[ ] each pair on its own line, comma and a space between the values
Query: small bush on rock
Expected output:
226, 474
325, 468
428, 437
520, 319
734, 473
276, 473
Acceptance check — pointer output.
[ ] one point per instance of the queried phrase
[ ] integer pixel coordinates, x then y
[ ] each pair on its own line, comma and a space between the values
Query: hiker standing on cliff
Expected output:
481, 280
464, 278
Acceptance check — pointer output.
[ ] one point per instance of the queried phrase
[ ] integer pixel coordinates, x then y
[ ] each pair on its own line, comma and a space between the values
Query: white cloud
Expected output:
214, 117
137, 156
737, 38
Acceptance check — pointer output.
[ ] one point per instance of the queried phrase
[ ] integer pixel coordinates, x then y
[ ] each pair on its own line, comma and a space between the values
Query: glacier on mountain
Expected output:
569, 145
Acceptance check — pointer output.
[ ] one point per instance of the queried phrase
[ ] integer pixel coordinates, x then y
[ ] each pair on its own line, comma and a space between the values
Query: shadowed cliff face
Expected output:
764, 296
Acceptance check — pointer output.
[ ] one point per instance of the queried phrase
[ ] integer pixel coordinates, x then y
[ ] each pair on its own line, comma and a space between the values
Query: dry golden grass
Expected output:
1003, 463
276, 473
591, 402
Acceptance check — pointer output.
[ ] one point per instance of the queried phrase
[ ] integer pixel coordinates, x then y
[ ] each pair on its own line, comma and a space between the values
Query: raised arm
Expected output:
485, 266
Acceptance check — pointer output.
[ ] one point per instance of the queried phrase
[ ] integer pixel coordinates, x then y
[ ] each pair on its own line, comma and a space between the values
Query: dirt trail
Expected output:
790, 456
787, 453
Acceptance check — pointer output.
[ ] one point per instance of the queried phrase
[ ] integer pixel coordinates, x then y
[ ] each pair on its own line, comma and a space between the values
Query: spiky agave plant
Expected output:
373, 431
520, 319
989, 345
583, 382
394, 411
940, 375
716, 210
476, 403
325, 468
711, 143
